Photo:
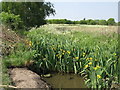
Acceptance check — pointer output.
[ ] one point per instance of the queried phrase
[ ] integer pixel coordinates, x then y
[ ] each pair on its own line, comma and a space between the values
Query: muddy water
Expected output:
66, 81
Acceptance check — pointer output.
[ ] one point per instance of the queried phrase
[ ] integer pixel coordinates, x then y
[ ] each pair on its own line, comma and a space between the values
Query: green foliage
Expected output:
92, 22
69, 22
102, 22
5, 75
93, 55
19, 56
111, 21
11, 20
118, 23
83, 22
97, 22
87, 22
76, 22
59, 21
31, 13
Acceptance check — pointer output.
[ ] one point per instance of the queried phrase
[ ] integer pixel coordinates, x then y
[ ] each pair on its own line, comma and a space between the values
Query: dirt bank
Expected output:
24, 78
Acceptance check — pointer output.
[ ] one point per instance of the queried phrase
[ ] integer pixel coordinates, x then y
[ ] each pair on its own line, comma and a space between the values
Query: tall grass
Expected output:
91, 54
19, 56
5, 76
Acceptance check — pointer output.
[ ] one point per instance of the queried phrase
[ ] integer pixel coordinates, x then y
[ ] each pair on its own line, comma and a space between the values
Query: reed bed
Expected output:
91, 54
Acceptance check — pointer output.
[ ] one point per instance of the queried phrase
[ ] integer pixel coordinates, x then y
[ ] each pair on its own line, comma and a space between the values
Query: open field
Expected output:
86, 28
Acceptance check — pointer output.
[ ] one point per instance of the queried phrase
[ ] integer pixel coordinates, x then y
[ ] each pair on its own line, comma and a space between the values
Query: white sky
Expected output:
76, 0
82, 0
88, 10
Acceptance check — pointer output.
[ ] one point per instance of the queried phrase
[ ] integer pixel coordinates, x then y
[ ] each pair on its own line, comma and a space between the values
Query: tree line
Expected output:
110, 21
19, 15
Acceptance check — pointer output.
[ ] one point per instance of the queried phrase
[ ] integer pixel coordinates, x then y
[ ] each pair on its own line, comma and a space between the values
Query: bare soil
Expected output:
24, 78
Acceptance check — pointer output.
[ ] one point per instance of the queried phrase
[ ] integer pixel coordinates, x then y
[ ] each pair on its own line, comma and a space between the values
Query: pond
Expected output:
66, 81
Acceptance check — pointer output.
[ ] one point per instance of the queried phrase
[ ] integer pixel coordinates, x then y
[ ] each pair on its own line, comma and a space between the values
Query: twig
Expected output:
8, 86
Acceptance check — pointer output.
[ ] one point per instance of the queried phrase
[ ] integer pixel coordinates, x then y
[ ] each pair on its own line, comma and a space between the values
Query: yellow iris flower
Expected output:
98, 76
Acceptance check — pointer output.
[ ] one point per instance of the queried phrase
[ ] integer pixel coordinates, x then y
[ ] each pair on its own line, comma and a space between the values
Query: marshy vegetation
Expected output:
60, 48
90, 51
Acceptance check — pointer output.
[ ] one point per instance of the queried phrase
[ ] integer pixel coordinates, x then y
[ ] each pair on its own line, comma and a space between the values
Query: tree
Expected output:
76, 22
10, 20
31, 13
88, 21
111, 21
118, 23
92, 22
69, 22
102, 22
97, 22
83, 22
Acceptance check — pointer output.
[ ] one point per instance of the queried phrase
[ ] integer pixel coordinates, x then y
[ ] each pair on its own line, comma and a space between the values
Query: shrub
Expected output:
111, 21
83, 22
11, 20
59, 21
22, 54
102, 22
118, 23
97, 22
92, 22
88, 21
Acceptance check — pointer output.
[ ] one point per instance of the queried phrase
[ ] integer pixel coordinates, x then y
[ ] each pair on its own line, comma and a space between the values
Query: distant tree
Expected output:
31, 13
59, 21
73, 22
92, 22
102, 22
83, 22
111, 21
77, 22
118, 23
88, 21
97, 22
69, 22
